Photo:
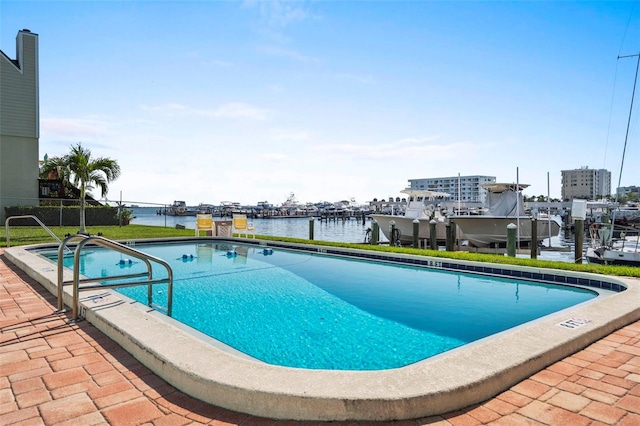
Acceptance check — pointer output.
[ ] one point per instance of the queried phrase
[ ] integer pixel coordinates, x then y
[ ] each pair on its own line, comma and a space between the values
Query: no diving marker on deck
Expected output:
573, 323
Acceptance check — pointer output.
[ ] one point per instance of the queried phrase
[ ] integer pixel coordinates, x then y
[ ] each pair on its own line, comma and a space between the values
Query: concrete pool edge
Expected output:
434, 386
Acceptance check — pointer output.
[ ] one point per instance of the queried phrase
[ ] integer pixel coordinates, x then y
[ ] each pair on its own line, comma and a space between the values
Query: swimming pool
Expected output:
308, 310
205, 369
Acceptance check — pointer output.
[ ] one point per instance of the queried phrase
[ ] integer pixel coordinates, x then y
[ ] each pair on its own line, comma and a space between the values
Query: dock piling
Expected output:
375, 233
392, 233
450, 236
579, 237
511, 239
433, 243
534, 238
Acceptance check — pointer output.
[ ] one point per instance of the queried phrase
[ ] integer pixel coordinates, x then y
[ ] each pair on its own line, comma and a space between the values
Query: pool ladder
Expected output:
129, 251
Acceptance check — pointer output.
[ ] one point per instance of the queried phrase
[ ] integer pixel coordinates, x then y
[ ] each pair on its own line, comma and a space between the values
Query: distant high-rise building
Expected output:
585, 183
19, 124
468, 188
626, 191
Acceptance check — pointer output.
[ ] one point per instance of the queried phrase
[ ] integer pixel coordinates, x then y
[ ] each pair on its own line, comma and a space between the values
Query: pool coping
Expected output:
433, 386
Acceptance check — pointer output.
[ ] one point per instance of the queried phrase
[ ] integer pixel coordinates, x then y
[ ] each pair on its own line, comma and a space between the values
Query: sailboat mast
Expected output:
549, 209
626, 138
519, 195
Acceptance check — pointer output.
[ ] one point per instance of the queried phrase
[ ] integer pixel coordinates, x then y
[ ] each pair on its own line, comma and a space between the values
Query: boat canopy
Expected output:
505, 199
429, 195
501, 187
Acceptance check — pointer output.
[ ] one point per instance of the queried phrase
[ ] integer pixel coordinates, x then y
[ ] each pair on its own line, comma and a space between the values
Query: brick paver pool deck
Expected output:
56, 373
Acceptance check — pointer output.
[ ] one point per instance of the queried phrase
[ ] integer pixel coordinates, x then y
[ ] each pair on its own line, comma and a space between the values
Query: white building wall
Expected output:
468, 187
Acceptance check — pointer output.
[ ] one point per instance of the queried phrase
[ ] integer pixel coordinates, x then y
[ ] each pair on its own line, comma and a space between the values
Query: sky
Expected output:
248, 101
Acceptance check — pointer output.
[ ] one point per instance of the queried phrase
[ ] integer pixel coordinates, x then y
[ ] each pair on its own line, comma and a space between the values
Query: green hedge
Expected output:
63, 216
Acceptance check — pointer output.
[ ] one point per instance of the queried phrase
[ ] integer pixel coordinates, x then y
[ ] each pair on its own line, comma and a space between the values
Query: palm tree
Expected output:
79, 168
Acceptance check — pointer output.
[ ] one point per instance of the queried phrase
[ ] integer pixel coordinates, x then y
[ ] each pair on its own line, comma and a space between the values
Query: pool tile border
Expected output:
524, 273
512, 271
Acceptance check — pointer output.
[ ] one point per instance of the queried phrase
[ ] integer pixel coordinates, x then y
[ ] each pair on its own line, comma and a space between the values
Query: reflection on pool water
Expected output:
324, 312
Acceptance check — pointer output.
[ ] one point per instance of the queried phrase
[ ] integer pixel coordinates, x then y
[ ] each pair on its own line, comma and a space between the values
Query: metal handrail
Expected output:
146, 258
29, 216
61, 247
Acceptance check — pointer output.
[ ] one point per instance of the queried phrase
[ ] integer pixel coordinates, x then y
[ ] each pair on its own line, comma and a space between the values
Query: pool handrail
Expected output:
28, 216
61, 247
104, 242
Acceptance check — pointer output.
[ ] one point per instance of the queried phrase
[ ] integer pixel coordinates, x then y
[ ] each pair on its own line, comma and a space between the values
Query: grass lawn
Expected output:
24, 235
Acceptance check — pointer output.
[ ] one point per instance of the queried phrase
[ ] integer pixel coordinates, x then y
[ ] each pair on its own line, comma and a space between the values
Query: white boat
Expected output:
179, 208
421, 205
604, 248
504, 206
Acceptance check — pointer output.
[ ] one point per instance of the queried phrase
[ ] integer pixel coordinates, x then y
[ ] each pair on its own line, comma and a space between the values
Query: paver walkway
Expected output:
55, 373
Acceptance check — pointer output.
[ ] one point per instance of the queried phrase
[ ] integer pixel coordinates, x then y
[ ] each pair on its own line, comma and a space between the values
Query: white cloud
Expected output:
276, 157
273, 17
357, 78
241, 110
289, 54
208, 62
410, 149
289, 135
279, 14
232, 110
222, 63
170, 108
276, 89
74, 128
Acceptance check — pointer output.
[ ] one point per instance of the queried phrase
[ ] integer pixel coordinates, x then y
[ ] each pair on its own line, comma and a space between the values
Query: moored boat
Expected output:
604, 249
179, 208
504, 206
423, 206
625, 250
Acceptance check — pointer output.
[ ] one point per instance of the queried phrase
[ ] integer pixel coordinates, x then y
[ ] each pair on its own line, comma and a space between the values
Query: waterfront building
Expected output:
19, 124
585, 183
468, 187
626, 191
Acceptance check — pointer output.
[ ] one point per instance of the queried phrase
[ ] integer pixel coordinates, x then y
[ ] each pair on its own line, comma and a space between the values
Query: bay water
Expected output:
347, 231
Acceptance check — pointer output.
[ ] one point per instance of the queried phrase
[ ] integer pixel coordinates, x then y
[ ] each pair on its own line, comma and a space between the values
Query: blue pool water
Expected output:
322, 312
